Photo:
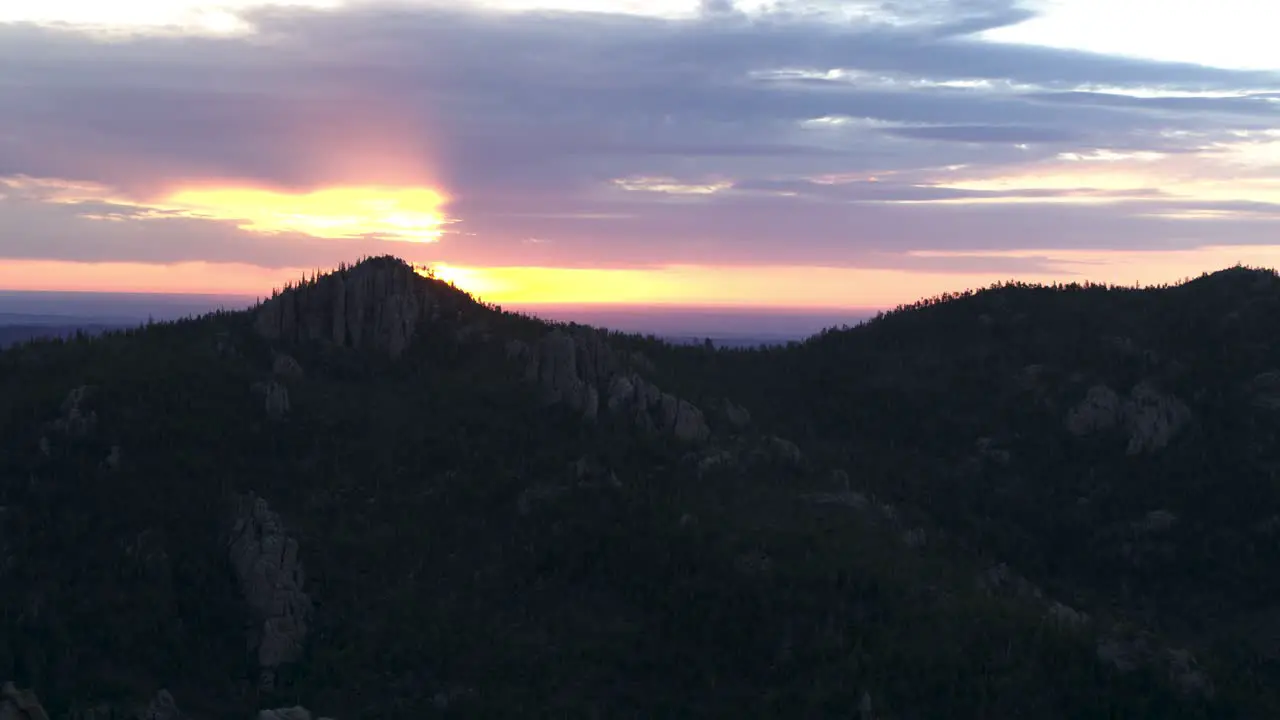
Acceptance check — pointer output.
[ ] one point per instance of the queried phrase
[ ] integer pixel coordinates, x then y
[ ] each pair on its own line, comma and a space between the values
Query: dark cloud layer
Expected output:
528, 119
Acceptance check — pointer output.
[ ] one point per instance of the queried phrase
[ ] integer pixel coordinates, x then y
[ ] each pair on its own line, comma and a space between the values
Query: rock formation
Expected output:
734, 415
285, 367
375, 305
582, 372
1125, 651
18, 704
1151, 419
76, 420
267, 568
1265, 390
1100, 410
275, 398
163, 707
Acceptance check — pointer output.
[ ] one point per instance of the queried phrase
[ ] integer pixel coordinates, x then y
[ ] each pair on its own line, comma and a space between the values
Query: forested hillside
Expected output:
377, 497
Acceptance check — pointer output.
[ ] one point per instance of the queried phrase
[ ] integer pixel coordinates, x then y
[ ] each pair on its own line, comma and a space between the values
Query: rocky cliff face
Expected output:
379, 305
18, 704
584, 373
266, 565
375, 305
1151, 419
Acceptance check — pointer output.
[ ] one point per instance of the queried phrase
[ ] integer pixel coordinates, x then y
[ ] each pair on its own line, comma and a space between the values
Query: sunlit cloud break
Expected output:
363, 212
406, 214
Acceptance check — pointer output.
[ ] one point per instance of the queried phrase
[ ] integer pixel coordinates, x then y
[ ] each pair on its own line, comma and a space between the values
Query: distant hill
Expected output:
379, 497
17, 333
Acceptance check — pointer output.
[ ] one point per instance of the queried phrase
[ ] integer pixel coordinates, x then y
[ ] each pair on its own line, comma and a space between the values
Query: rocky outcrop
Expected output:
76, 419
113, 459
779, 451
1153, 419
286, 367
1264, 390
375, 305
1100, 410
554, 368
730, 414
582, 372
1150, 418
269, 572
1066, 617
1156, 521
18, 704
1125, 651
275, 398
163, 707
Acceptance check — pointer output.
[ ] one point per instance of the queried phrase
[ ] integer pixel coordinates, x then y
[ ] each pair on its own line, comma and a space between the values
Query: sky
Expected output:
785, 154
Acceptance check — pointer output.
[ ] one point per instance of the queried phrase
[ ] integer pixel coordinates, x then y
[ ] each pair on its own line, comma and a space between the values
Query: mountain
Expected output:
374, 496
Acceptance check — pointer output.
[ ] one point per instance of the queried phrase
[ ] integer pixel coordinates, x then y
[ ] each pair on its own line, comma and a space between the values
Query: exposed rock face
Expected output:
1151, 419
113, 459
1065, 616
275, 398
286, 367
76, 420
1156, 521
376, 305
1100, 410
270, 575
737, 416
18, 704
579, 370
781, 451
1265, 390
163, 707
1125, 652
554, 367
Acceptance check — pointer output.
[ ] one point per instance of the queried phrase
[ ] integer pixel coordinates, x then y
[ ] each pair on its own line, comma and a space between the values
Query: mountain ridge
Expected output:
431, 505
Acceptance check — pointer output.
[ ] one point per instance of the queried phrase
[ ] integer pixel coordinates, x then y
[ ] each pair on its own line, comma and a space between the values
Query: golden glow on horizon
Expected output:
788, 287
412, 214
136, 277
830, 287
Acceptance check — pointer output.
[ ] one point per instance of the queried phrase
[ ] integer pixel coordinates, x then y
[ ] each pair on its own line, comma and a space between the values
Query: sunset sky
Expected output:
782, 153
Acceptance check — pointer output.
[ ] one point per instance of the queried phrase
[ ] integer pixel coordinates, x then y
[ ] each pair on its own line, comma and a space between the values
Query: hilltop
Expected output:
376, 496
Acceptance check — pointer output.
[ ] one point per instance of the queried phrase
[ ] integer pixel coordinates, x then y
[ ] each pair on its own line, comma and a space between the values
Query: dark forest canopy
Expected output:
1019, 501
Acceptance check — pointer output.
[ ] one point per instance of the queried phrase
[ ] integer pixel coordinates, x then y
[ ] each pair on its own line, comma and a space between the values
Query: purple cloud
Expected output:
528, 119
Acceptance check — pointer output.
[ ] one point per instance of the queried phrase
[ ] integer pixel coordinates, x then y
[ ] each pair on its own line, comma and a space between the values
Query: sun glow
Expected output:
408, 214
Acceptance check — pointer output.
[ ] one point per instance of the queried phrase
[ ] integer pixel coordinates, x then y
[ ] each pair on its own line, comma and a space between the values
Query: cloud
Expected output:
539, 124
985, 134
